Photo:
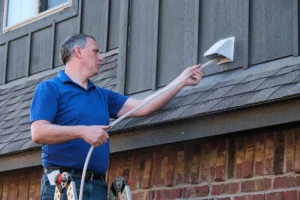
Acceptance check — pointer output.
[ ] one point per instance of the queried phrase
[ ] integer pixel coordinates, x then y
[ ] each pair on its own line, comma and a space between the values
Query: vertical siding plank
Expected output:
29, 55
246, 34
2, 62
296, 27
106, 24
196, 32
1, 185
52, 46
5, 63
79, 18
155, 45
35, 180
114, 23
122, 46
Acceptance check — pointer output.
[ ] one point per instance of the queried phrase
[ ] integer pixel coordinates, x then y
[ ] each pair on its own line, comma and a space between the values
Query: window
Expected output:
20, 12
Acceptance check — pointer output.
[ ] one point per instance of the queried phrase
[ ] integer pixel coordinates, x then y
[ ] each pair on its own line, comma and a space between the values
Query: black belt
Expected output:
76, 173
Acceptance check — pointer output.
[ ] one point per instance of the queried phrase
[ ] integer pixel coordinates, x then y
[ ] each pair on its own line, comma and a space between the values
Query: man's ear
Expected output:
77, 52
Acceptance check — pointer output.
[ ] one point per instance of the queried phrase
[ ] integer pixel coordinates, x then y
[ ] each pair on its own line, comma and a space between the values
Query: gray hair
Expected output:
68, 46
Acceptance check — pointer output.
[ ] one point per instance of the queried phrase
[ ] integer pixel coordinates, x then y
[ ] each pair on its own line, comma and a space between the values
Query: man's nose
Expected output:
100, 58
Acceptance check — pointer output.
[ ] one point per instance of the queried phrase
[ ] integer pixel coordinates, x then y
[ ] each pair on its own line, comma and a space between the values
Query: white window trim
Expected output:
32, 19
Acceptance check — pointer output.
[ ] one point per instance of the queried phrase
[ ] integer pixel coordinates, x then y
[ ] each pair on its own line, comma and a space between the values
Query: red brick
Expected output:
248, 164
133, 172
197, 191
251, 197
180, 167
227, 188
297, 152
240, 157
161, 194
175, 193
289, 150
213, 159
221, 161
287, 195
259, 154
205, 161
279, 153
147, 171
256, 185
156, 168
224, 198
135, 196
286, 181
269, 154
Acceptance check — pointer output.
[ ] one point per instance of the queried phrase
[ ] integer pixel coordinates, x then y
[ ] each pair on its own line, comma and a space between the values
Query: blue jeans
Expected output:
93, 190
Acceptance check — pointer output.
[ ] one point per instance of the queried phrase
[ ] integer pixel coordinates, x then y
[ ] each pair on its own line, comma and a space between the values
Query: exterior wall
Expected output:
21, 184
36, 45
254, 165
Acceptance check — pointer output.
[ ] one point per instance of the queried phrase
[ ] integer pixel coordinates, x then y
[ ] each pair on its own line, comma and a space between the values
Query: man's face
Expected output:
91, 57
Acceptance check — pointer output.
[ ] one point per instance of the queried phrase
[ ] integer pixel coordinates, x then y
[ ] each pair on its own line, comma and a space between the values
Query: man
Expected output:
69, 113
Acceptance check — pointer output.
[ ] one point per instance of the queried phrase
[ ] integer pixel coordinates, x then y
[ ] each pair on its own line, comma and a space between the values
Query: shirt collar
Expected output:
63, 77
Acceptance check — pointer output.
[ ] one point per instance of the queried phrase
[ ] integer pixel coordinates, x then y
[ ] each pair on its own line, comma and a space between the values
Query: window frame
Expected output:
32, 19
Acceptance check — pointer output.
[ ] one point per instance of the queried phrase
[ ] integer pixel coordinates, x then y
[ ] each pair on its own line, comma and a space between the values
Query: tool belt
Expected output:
89, 176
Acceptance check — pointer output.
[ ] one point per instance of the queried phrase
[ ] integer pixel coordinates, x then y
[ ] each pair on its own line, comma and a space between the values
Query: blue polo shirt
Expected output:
63, 102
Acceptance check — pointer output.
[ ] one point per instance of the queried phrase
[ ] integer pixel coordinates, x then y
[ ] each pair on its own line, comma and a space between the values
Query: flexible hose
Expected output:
160, 92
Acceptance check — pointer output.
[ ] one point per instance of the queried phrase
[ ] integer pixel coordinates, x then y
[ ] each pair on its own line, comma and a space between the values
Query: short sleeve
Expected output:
44, 103
115, 103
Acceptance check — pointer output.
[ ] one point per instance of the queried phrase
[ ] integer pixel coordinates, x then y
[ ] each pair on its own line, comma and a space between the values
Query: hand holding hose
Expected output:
194, 74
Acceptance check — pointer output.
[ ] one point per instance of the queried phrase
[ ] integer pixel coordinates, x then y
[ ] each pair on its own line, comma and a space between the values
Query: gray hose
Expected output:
160, 92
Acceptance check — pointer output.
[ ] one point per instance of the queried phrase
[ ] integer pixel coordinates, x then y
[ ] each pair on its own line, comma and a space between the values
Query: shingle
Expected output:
47, 77
140, 121
33, 82
9, 130
200, 108
27, 96
24, 104
10, 122
29, 144
14, 100
263, 95
11, 115
9, 137
225, 103
181, 100
2, 145
24, 127
22, 120
286, 90
121, 124
229, 82
10, 108
260, 75
220, 92
23, 135
169, 114
288, 69
24, 90
24, 112
13, 146
199, 89
279, 80
3, 102
243, 99
111, 82
5, 96
204, 95
7, 90
106, 74
245, 87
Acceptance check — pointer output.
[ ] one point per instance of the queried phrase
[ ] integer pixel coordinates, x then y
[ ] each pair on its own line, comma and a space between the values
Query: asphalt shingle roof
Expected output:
243, 91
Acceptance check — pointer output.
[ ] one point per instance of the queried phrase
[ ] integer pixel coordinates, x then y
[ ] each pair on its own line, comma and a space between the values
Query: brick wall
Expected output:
261, 165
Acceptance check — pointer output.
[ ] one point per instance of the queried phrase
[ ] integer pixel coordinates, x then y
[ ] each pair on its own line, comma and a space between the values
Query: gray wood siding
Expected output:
176, 39
17, 59
95, 21
63, 29
41, 51
114, 21
37, 44
218, 22
139, 61
2, 61
271, 30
